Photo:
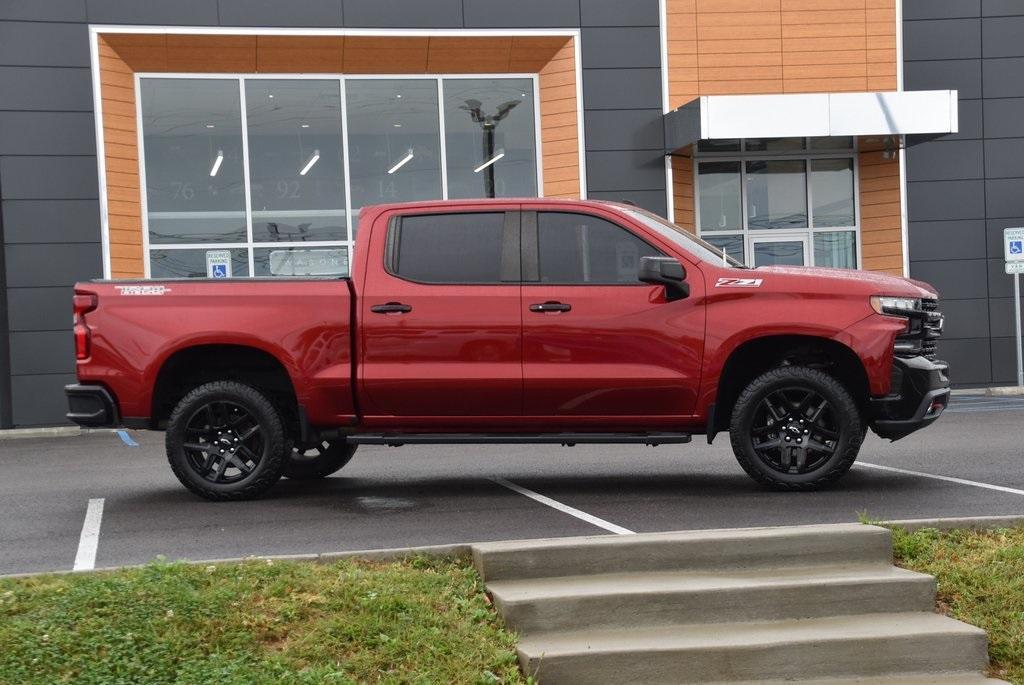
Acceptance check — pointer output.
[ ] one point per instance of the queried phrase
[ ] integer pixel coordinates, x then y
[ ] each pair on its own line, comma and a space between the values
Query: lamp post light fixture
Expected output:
488, 123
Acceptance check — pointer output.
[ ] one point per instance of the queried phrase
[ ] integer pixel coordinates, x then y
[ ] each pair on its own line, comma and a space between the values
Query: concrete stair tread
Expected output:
911, 679
789, 633
661, 582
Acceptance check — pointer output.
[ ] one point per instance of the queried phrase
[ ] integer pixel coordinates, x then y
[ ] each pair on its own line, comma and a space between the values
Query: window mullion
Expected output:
442, 142
349, 209
245, 177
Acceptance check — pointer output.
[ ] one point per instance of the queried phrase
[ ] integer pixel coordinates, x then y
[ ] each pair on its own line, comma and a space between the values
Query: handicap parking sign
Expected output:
1013, 243
218, 264
1017, 247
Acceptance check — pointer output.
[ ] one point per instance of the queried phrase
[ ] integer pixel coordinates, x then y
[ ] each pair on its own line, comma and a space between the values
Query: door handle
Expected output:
391, 308
550, 307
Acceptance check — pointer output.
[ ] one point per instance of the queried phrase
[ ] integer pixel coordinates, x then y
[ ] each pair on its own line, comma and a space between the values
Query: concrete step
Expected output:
868, 645
672, 597
750, 548
916, 679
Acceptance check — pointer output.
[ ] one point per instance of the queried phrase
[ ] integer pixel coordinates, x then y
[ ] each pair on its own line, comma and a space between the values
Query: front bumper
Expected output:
919, 395
91, 406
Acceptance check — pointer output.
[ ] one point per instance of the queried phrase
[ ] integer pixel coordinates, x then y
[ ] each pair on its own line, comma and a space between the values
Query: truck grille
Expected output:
925, 329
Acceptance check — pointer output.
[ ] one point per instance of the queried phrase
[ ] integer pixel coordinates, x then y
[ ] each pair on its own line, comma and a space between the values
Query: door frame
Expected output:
778, 236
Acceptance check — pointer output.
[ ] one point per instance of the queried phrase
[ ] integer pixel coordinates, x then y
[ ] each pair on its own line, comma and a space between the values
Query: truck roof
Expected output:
535, 201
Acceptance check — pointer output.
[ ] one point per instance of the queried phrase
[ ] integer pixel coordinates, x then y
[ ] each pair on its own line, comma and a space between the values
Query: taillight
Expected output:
83, 303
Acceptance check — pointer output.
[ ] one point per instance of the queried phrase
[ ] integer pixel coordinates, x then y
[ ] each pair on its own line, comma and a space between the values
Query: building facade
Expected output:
239, 138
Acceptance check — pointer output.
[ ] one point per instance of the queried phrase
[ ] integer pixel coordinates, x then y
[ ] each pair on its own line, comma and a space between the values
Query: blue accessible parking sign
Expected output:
1017, 247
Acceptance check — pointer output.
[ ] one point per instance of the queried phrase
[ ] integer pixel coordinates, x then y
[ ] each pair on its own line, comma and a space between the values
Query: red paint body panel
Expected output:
471, 358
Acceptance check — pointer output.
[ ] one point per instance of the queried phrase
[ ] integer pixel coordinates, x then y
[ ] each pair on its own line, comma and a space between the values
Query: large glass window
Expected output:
489, 129
192, 134
296, 166
394, 140
579, 249
780, 200
254, 176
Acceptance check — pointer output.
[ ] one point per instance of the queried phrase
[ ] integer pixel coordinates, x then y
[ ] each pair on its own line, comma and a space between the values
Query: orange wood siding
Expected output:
121, 157
724, 47
122, 55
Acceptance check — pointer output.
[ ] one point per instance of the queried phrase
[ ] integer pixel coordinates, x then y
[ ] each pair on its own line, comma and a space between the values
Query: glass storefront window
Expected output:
394, 140
719, 189
490, 137
793, 203
832, 190
253, 176
296, 166
776, 194
192, 133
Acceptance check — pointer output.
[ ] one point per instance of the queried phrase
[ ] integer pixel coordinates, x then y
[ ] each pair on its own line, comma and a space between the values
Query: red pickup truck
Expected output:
510, 321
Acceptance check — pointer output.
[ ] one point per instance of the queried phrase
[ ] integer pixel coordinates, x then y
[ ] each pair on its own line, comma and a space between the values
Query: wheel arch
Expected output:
753, 357
194, 365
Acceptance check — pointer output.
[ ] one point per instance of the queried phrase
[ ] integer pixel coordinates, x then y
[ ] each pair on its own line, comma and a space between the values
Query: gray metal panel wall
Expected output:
49, 212
964, 189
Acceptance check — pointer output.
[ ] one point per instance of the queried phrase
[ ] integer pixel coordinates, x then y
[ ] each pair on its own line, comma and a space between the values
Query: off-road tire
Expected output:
305, 464
268, 469
846, 414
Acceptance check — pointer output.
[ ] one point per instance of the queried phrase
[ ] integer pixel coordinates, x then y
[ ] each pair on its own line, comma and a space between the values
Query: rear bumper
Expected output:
919, 395
91, 406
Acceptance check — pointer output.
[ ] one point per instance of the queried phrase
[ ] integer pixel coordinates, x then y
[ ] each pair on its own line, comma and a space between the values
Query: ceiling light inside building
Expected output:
397, 125
217, 162
310, 162
492, 160
401, 163
304, 125
209, 126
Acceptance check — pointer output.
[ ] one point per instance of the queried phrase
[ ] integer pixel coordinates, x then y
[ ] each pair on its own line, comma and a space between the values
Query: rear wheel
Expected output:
226, 441
796, 428
319, 460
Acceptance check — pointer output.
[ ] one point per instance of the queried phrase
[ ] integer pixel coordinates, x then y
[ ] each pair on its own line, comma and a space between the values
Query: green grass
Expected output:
413, 621
981, 581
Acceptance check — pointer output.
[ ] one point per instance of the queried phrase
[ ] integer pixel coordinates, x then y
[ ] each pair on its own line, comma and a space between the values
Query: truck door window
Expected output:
448, 248
580, 248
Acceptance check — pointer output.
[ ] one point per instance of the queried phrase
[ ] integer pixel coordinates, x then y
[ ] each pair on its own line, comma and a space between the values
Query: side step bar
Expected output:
568, 439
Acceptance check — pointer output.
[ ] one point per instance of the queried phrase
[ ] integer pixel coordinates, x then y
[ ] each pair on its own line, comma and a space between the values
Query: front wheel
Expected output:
225, 441
796, 428
319, 460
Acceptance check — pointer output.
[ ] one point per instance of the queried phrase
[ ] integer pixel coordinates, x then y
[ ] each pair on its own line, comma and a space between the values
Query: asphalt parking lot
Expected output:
412, 496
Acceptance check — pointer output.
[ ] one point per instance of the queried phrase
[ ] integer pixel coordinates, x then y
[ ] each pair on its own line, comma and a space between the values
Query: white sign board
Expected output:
1015, 267
218, 263
301, 262
1013, 245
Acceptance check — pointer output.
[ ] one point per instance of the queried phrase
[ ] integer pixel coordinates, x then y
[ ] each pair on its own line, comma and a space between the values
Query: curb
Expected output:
967, 523
49, 432
1005, 391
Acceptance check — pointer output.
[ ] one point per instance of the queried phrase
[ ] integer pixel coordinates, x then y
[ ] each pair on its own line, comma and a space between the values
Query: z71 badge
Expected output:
739, 283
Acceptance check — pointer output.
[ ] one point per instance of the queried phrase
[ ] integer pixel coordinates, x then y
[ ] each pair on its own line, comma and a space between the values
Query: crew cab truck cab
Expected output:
491, 321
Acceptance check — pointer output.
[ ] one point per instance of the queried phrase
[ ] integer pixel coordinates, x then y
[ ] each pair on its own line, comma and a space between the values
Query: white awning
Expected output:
816, 114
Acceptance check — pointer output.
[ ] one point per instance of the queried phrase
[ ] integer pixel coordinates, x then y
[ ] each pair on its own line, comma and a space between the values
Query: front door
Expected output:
600, 348
440, 324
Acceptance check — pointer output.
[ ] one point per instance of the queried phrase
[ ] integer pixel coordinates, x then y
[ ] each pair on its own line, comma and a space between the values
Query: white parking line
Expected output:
948, 479
564, 508
85, 560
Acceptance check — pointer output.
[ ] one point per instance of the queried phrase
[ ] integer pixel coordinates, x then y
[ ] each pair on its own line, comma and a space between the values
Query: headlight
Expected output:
895, 306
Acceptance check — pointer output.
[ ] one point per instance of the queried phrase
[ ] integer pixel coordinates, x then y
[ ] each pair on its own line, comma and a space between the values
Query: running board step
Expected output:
569, 439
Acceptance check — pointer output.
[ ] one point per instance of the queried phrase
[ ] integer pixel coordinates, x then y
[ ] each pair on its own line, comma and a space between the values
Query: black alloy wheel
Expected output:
796, 428
226, 441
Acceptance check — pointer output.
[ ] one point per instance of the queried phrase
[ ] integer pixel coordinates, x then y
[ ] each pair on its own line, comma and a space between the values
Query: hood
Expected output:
866, 282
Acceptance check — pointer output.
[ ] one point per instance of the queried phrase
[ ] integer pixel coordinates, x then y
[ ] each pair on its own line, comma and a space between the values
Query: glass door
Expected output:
781, 250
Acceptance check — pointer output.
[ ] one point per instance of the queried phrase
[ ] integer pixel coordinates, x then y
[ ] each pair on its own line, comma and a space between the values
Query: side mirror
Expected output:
665, 271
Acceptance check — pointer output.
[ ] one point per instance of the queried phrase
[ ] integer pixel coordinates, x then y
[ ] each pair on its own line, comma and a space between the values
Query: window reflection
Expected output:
192, 133
719, 188
776, 194
296, 167
394, 140
832, 190
490, 137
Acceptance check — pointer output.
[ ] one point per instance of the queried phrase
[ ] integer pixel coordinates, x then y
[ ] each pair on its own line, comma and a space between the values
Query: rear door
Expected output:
439, 318
598, 343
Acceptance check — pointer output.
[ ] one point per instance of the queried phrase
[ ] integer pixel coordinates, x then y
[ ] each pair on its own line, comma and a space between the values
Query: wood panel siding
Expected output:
725, 47
122, 55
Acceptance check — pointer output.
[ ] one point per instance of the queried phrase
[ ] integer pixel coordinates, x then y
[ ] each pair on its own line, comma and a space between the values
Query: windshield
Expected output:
706, 252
